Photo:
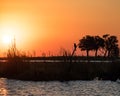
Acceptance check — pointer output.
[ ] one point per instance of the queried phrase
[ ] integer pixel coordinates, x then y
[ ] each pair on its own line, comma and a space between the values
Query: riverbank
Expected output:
62, 70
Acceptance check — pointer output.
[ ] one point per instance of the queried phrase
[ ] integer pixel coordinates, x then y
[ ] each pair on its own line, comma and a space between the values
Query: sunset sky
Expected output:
48, 25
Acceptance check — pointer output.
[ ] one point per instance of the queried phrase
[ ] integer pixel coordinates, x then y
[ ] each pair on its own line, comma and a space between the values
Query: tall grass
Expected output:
18, 66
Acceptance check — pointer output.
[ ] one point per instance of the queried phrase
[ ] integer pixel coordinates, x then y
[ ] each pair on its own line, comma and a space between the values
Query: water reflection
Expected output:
56, 88
3, 92
3, 87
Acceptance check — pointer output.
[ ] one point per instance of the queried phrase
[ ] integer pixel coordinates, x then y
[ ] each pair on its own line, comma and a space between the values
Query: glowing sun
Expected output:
6, 39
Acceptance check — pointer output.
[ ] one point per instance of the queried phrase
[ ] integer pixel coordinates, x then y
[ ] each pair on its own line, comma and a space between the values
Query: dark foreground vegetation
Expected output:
62, 70
66, 67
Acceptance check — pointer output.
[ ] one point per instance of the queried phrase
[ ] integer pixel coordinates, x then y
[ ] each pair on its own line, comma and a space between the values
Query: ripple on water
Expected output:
56, 88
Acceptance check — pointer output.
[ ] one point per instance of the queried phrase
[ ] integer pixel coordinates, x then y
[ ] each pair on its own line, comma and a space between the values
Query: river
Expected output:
55, 88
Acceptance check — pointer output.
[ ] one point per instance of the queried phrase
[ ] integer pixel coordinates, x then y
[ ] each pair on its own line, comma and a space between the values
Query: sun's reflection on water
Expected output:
3, 92
3, 87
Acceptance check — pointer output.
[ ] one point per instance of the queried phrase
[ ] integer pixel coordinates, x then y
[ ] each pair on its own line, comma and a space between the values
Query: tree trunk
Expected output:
109, 53
105, 53
96, 52
87, 53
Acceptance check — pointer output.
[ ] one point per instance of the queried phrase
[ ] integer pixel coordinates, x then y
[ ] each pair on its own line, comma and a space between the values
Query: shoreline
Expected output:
61, 71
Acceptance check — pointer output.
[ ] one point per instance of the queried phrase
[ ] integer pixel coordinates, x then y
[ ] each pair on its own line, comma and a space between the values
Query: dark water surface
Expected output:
56, 88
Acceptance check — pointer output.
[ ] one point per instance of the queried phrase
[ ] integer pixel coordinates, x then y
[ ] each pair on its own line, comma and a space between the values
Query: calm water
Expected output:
56, 88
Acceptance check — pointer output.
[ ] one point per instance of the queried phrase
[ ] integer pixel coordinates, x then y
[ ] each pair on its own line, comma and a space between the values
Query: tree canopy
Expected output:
108, 44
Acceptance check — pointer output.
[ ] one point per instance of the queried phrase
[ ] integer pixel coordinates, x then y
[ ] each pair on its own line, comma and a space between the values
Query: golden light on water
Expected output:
3, 87
3, 92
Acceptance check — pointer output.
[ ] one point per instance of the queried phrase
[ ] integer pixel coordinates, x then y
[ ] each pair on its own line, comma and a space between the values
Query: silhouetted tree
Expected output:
105, 37
98, 43
87, 44
111, 45
108, 43
115, 52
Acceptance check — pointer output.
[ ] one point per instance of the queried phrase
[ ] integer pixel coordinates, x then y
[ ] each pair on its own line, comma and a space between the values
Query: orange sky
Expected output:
48, 25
